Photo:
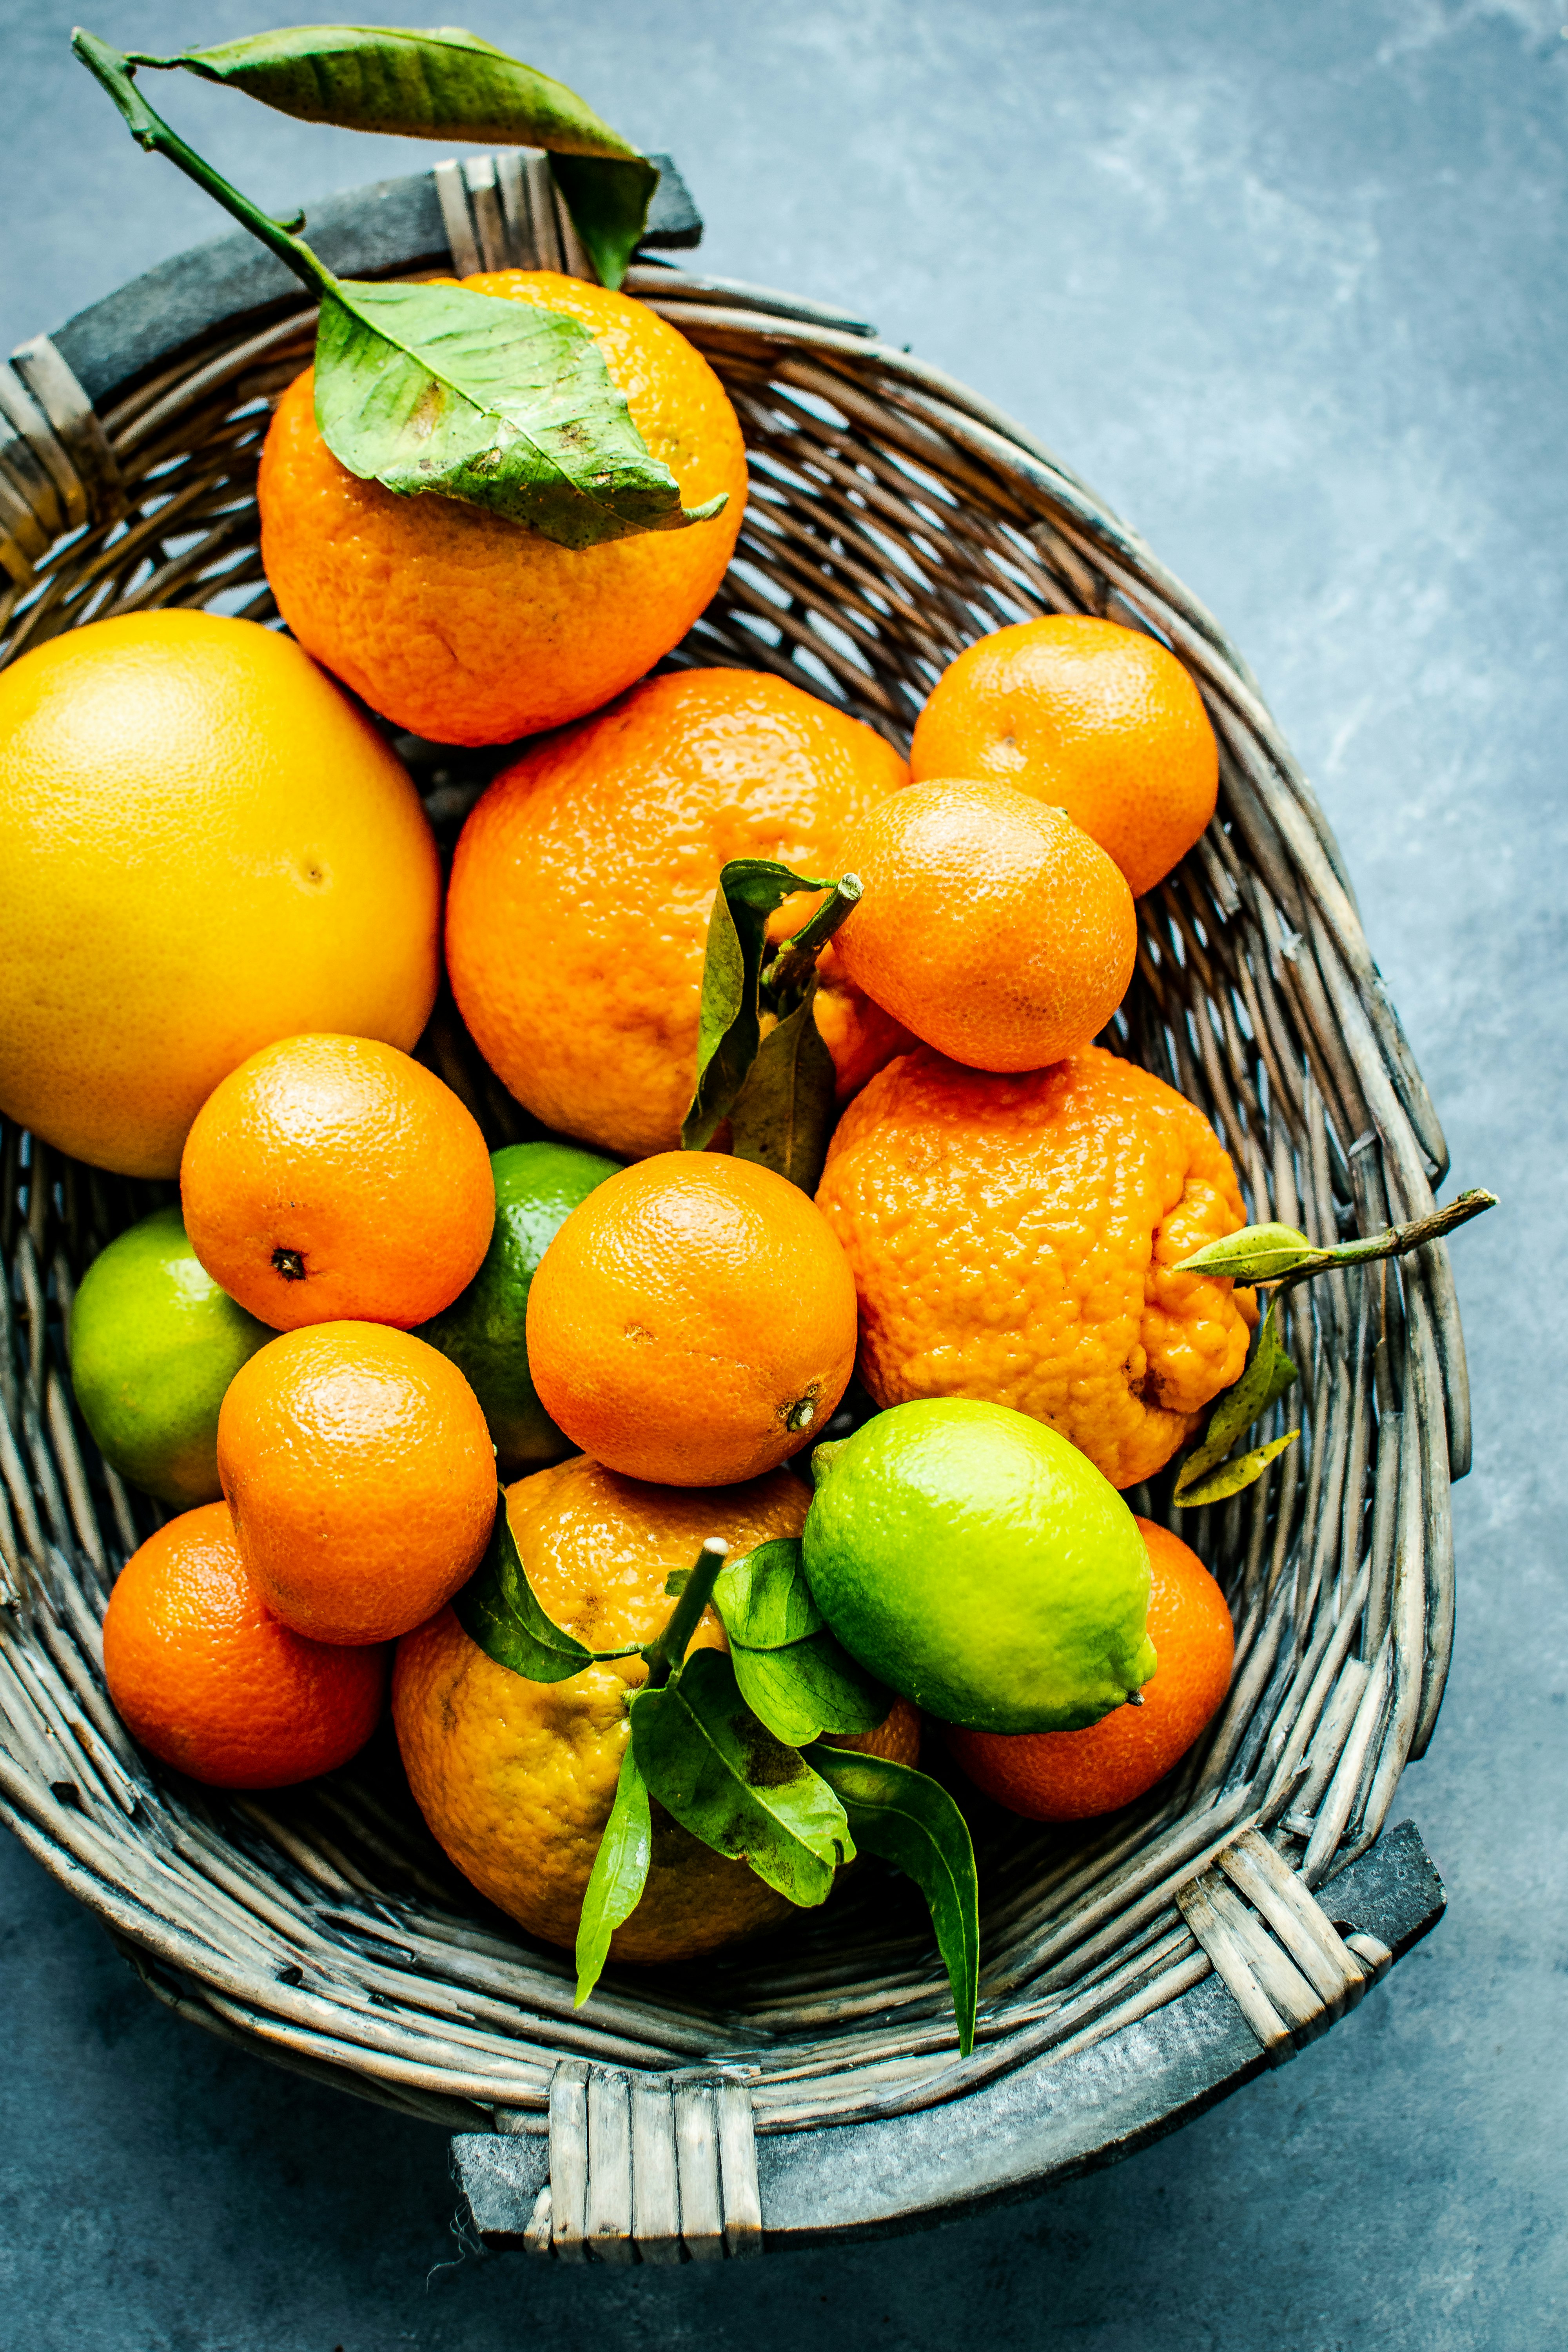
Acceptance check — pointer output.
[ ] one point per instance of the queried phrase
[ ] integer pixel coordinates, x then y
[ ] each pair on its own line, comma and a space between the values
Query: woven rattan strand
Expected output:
894, 517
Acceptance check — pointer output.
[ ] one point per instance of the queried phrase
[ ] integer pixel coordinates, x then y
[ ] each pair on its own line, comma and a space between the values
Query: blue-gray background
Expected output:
1285, 281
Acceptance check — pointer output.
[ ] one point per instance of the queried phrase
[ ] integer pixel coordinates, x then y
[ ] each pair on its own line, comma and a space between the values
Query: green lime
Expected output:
155, 1344
979, 1564
538, 1186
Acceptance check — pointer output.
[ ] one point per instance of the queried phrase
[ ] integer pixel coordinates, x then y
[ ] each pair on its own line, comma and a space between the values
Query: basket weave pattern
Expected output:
894, 517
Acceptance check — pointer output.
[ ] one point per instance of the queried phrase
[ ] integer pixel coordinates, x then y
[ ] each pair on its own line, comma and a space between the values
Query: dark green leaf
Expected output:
1234, 1475
911, 1821
782, 1116
1268, 1375
809, 1687
607, 198
499, 403
1257, 1254
729, 1022
763, 1600
498, 1609
619, 1876
727, 1780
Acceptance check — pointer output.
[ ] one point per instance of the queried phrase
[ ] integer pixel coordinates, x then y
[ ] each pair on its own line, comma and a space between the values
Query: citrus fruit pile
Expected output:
808, 1037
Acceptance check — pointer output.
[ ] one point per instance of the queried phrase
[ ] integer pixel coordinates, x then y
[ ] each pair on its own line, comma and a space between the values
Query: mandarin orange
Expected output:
1098, 719
601, 850
693, 1321
1015, 1239
1070, 1776
209, 1678
333, 1179
991, 926
360, 1475
468, 628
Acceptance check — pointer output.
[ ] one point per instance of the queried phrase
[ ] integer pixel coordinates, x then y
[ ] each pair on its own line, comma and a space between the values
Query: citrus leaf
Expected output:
1268, 1375
911, 1821
763, 1600
619, 1876
499, 403
498, 1609
729, 1027
726, 1778
1256, 1253
1234, 1475
607, 198
782, 1116
808, 1687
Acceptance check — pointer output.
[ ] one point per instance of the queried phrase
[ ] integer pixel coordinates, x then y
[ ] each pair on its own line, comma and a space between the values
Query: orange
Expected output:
516, 1777
693, 1321
1100, 719
204, 846
991, 926
361, 1475
332, 1179
204, 1674
1015, 1240
466, 627
601, 850
1067, 1775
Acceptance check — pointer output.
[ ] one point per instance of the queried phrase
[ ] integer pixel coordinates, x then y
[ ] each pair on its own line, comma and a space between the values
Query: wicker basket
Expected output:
1132, 1971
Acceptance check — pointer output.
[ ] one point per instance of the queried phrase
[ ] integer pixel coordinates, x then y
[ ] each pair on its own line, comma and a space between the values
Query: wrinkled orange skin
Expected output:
1070, 1776
361, 1478
599, 852
991, 926
693, 1321
1096, 718
1014, 1239
467, 627
333, 1179
516, 1778
207, 1677
204, 846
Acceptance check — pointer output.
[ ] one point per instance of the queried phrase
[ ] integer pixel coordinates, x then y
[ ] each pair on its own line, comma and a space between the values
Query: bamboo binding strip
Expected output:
894, 517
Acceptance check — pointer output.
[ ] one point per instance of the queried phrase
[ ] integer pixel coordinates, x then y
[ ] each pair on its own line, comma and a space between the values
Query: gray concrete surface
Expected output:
1286, 281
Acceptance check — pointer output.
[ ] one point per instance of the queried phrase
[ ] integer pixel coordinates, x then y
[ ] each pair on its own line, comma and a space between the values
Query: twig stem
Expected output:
795, 959
665, 1654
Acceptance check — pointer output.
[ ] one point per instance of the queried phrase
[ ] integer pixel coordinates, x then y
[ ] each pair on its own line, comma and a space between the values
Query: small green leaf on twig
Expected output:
1234, 1475
729, 1027
726, 1778
1257, 1254
911, 1821
763, 1598
1265, 1379
619, 1876
1279, 1254
809, 1687
782, 1116
498, 1609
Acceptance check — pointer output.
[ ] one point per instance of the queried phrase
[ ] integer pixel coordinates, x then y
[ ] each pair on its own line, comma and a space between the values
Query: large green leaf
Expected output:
726, 1778
619, 1876
498, 1609
782, 1116
809, 1687
1267, 1377
911, 1821
763, 1598
729, 1029
499, 403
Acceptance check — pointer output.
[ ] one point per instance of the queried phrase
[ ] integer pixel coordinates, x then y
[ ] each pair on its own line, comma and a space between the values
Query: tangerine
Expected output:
602, 849
209, 1677
693, 1321
360, 1475
1098, 718
467, 627
204, 846
1016, 1239
1070, 1776
991, 926
335, 1178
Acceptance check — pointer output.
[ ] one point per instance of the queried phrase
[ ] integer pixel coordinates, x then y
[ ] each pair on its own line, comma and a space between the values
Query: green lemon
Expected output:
981, 1566
153, 1345
538, 1186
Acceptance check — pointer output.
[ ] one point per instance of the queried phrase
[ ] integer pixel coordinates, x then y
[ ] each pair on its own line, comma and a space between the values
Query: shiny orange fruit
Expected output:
602, 849
361, 1478
1100, 719
209, 1677
991, 926
466, 627
693, 1321
1069, 1776
1015, 1239
333, 1179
